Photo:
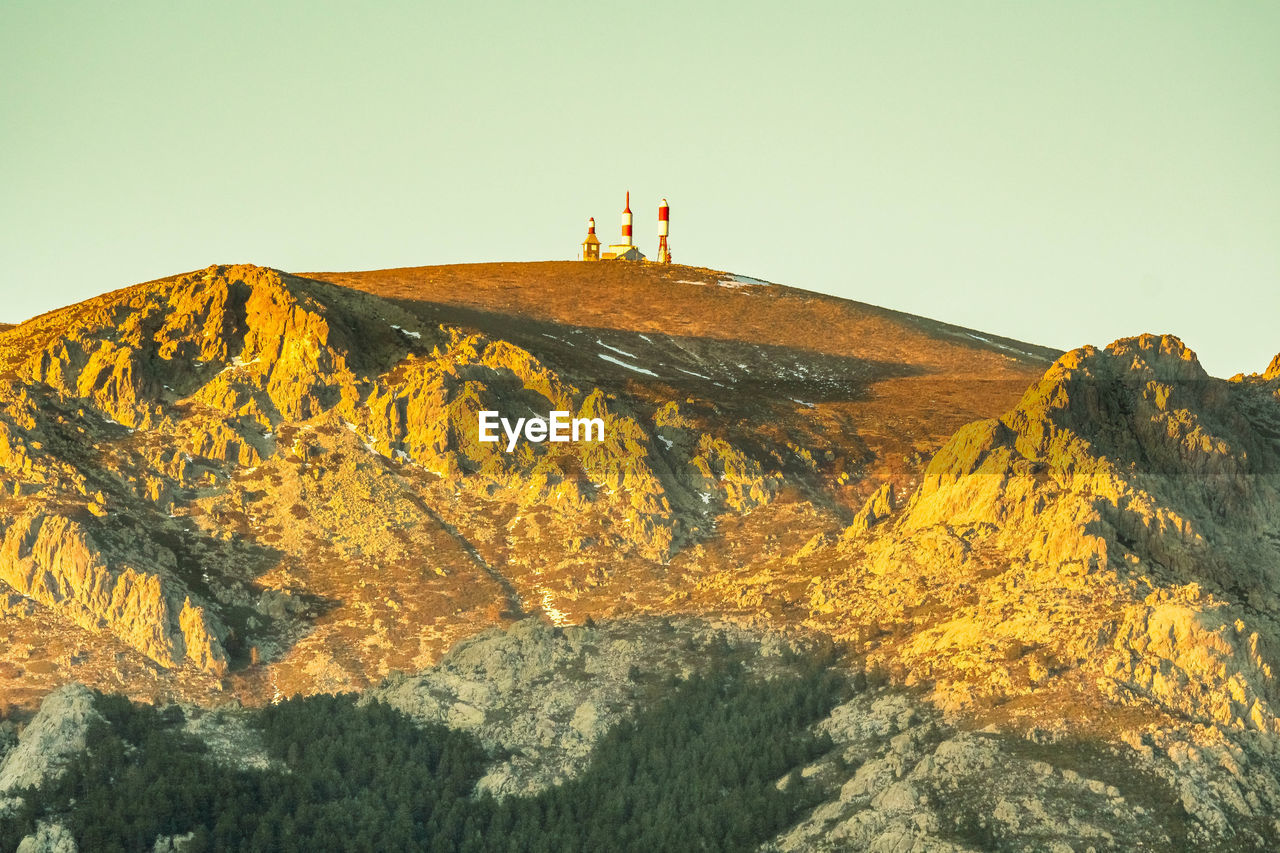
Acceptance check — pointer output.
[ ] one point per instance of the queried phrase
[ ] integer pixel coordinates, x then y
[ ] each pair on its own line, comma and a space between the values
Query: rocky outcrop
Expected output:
248, 338
902, 778
1273, 369
920, 785
547, 695
174, 843
54, 735
52, 559
1116, 520
876, 509
201, 644
427, 412
49, 838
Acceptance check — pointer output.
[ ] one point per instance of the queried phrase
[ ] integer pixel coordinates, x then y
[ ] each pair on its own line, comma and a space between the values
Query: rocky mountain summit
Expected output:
242, 480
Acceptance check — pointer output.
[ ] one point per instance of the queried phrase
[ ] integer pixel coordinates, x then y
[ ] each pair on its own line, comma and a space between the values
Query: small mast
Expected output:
626, 221
664, 226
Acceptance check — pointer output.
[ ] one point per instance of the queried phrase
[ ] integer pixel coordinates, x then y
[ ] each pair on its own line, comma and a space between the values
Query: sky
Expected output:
1061, 173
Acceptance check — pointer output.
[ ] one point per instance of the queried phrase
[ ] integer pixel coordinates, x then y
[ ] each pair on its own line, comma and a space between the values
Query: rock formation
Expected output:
54, 735
49, 838
1115, 520
547, 695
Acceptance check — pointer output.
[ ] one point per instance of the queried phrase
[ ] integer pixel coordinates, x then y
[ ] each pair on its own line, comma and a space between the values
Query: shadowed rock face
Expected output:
54, 736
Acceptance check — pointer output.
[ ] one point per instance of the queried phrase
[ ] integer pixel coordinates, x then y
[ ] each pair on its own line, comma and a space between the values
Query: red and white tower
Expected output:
664, 226
591, 245
626, 222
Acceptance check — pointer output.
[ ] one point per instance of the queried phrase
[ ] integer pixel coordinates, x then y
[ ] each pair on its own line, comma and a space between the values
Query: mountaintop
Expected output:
193, 463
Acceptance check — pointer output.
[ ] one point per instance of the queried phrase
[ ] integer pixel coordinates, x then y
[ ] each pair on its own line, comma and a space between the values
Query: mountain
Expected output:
1052, 575
243, 481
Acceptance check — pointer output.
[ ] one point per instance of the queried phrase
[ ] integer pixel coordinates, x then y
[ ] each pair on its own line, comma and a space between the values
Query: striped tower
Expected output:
626, 222
664, 226
591, 245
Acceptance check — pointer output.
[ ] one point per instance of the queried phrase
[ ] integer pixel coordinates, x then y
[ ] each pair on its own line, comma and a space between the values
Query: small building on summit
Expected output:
591, 245
621, 252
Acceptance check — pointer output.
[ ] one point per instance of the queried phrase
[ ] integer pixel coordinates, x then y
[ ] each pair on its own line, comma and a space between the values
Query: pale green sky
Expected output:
1060, 172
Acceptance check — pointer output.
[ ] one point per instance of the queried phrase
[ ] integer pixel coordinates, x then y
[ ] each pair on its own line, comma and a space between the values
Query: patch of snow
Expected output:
691, 373
706, 497
557, 617
647, 338
739, 280
415, 335
668, 442
615, 349
622, 363
1000, 345
687, 281
237, 362
801, 402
